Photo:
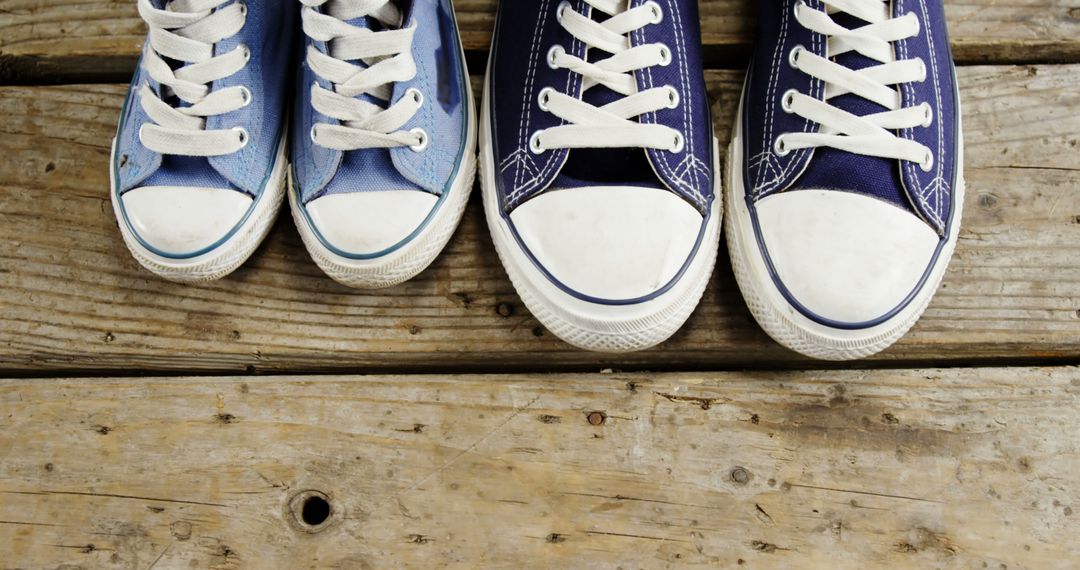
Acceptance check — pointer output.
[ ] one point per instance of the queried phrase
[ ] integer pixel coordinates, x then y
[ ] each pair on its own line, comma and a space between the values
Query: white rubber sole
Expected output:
228, 256
415, 256
592, 326
782, 321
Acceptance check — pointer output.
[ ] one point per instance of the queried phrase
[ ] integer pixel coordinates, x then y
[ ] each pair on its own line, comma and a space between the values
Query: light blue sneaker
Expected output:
384, 152
199, 162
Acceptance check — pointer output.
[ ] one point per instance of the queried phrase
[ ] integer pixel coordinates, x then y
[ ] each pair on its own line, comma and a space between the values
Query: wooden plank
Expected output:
885, 469
50, 40
74, 300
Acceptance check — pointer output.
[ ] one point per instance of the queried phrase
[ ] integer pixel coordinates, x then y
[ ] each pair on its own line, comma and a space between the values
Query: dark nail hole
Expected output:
315, 511
311, 511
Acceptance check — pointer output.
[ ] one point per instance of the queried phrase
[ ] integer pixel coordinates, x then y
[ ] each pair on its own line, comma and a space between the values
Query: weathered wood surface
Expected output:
75, 301
43, 39
976, 468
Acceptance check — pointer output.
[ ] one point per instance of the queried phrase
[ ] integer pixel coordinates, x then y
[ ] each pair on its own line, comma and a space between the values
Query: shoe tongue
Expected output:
600, 166
838, 170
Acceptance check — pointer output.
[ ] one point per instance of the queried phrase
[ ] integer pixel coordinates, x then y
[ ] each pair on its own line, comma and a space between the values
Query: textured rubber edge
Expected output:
416, 255
228, 256
615, 329
780, 319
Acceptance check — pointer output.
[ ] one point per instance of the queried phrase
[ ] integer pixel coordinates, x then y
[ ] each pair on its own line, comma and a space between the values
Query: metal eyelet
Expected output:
243, 9
665, 55
244, 49
788, 100
555, 51
416, 95
141, 137
312, 134
243, 135
245, 93
928, 115
780, 148
673, 97
922, 70
927, 163
793, 57
534, 144
563, 6
544, 97
424, 139
680, 143
657, 11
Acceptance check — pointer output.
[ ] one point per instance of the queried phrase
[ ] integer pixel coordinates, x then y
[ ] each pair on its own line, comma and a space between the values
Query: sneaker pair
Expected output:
382, 135
601, 179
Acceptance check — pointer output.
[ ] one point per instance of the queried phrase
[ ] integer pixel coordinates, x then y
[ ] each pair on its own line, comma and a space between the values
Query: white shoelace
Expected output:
387, 59
871, 135
187, 31
613, 125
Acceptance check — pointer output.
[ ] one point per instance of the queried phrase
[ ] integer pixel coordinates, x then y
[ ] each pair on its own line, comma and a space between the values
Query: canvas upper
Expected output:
580, 213
419, 178
904, 184
267, 34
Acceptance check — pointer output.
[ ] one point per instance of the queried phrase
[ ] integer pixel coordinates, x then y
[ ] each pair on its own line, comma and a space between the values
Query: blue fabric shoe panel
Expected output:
688, 173
441, 77
134, 162
931, 192
770, 76
314, 165
268, 32
524, 33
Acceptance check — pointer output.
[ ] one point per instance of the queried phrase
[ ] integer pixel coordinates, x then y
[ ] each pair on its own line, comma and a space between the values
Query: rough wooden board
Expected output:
885, 469
74, 300
42, 40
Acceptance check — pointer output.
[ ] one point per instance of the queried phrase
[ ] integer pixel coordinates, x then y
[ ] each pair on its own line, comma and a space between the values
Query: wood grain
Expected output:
885, 469
83, 40
74, 301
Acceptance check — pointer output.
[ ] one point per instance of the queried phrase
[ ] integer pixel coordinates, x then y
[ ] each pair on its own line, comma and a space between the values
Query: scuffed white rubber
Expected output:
594, 326
229, 255
782, 321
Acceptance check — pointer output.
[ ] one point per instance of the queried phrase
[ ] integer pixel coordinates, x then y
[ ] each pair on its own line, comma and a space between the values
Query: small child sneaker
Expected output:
384, 153
600, 170
846, 182
199, 160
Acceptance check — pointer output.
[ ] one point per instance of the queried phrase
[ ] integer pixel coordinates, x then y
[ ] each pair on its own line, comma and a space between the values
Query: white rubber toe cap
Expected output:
183, 221
616, 243
365, 223
844, 256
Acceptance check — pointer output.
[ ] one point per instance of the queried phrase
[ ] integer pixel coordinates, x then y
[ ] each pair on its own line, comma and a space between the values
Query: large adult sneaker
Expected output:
846, 181
199, 161
600, 172
384, 153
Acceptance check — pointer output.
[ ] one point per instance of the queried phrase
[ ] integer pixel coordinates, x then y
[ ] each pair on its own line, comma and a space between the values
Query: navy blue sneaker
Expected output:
600, 170
384, 153
845, 186
199, 161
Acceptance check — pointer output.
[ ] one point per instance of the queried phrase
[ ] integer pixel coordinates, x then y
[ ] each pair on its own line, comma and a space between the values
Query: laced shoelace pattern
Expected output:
615, 124
187, 31
385, 58
874, 134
